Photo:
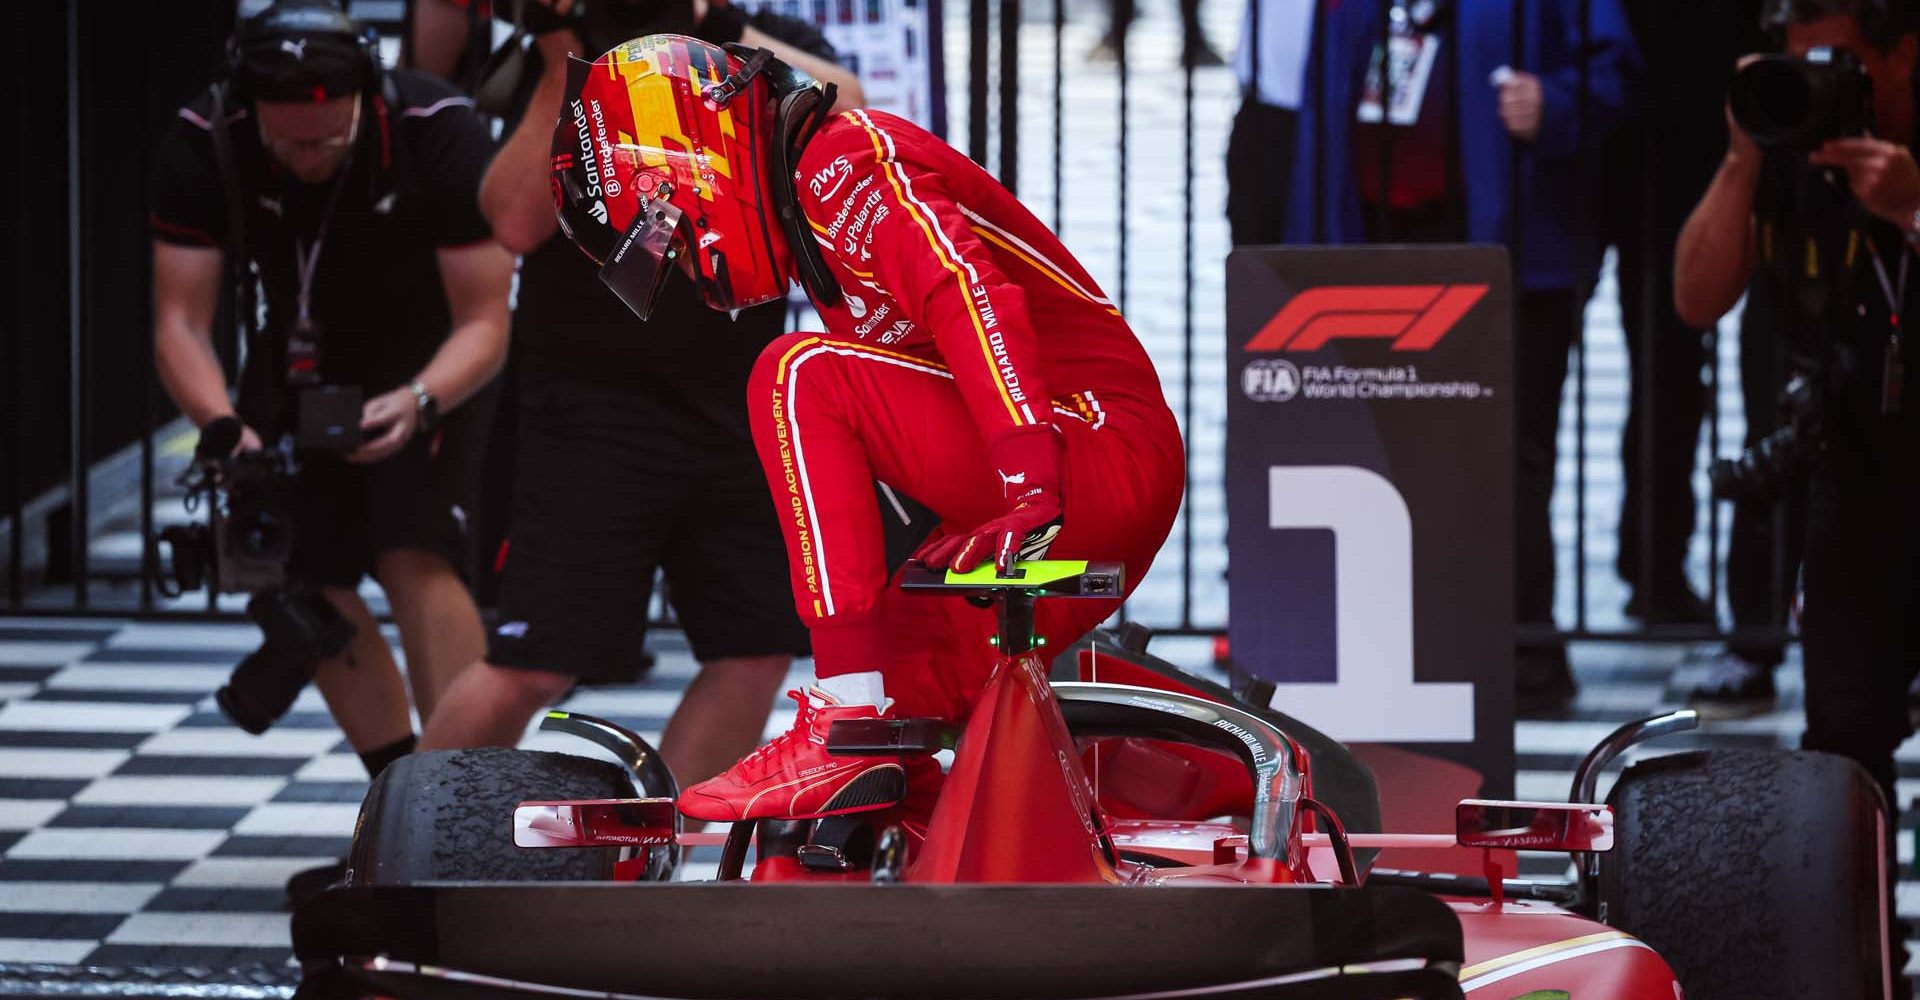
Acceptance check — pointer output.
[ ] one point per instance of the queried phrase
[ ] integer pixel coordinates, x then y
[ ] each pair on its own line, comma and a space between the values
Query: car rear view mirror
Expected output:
1534, 826
595, 823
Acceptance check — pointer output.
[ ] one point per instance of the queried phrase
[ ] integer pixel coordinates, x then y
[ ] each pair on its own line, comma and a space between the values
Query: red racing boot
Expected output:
793, 776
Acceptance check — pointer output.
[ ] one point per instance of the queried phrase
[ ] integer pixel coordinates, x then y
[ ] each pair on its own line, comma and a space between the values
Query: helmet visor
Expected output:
638, 267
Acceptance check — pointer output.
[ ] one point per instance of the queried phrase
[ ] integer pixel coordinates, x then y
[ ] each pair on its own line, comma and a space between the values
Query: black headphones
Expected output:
801, 107
338, 44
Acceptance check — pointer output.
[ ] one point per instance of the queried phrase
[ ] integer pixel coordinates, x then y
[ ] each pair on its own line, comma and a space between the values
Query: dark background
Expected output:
137, 63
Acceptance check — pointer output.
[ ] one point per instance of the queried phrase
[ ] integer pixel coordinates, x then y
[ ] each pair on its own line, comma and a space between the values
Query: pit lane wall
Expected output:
1370, 493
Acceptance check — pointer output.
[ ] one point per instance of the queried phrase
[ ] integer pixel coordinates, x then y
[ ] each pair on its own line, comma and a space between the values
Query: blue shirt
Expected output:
1557, 243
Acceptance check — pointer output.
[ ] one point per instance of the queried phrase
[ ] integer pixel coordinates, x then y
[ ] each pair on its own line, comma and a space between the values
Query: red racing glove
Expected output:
1029, 469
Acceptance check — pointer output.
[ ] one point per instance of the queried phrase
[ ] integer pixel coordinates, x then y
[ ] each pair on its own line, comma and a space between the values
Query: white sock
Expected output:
863, 688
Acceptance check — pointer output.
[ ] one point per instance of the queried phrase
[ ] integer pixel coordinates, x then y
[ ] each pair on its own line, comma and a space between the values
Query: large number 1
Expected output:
1375, 698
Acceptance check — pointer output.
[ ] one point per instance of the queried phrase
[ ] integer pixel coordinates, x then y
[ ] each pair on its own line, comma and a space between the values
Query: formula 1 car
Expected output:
1128, 831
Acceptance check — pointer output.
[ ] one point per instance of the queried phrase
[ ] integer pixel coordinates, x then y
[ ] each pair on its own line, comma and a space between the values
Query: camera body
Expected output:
243, 546
1787, 102
1763, 472
243, 549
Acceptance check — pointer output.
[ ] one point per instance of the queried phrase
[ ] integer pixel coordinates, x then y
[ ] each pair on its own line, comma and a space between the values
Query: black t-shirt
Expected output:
411, 188
566, 321
1817, 252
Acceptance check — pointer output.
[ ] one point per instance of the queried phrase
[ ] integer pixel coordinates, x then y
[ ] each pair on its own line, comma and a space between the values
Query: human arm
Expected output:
800, 45
189, 223
515, 195
898, 229
439, 36
1715, 255
1564, 122
475, 278
1883, 176
1717, 250
186, 290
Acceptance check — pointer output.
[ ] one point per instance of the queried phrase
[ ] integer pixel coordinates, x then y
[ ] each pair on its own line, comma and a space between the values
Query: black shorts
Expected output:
611, 484
345, 515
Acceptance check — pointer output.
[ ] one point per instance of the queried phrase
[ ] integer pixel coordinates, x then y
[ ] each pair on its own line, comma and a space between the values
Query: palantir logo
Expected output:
1270, 380
1414, 317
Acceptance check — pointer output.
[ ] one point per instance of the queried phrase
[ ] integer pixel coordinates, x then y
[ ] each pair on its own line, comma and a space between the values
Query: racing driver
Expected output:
972, 364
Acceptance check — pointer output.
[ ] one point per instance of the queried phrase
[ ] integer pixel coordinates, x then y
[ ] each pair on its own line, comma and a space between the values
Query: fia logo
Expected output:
297, 46
1270, 380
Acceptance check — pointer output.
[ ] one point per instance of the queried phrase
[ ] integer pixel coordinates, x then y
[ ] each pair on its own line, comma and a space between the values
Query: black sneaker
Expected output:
304, 885
1543, 684
1735, 688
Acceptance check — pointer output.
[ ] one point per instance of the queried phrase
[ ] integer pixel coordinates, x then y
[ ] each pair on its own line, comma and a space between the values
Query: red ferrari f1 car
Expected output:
1127, 831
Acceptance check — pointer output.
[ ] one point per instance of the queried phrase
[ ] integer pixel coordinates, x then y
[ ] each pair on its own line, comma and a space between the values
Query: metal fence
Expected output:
1124, 158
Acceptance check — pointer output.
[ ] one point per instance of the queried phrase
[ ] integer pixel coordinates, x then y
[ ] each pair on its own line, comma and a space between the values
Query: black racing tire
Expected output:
447, 816
1756, 874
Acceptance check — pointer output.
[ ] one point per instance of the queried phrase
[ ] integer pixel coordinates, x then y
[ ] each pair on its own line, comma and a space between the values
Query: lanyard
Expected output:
1893, 373
306, 259
1895, 294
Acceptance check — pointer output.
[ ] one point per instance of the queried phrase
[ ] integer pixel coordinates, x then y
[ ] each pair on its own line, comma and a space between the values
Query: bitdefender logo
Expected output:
1414, 317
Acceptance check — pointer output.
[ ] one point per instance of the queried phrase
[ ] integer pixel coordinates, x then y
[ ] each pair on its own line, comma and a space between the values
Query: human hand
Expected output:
1523, 103
1029, 469
249, 440
1882, 174
398, 413
1022, 533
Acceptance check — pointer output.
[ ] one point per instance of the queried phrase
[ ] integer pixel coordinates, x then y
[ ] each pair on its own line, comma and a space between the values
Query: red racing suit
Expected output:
970, 351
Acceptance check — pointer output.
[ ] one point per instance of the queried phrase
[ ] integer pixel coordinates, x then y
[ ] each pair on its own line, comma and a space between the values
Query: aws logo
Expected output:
1414, 317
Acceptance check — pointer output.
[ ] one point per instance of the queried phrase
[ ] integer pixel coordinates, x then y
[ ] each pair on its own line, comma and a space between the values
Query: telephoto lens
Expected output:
302, 628
1782, 102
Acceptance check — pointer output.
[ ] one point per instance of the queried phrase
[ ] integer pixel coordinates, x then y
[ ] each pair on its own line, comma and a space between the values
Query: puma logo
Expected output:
297, 46
1035, 545
1017, 479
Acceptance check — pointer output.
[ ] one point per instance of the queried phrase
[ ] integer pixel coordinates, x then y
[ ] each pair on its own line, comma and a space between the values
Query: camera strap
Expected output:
1893, 372
303, 342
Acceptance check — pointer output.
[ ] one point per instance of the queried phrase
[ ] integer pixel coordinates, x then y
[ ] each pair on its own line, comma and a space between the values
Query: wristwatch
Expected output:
425, 405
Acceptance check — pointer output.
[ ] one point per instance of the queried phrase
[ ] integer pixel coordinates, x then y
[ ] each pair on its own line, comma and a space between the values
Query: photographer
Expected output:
634, 453
1821, 211
350, 195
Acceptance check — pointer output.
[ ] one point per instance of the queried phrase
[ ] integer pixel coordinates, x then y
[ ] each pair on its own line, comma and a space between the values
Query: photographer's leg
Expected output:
1545, 333
362, 686
726, 567
1855, 669
440, 627
490, 706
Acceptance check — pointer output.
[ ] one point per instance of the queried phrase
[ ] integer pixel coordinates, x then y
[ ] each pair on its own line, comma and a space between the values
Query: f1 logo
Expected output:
1415, 317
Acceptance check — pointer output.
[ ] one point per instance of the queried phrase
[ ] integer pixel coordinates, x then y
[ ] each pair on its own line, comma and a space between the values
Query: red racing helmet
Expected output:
662, 155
